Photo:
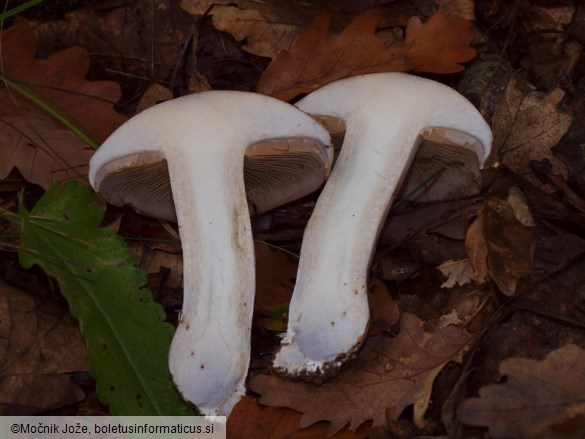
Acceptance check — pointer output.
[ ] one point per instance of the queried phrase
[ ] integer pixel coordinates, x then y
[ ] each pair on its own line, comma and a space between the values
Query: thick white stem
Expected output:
204, 138
211, 349
384, 114
329, 312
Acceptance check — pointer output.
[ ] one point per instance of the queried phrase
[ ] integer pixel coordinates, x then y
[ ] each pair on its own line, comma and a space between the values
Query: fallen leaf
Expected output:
266, 28
527, 126
510, 244
384, 312
501, 244
263, 31
153, 95
40, 345
39, 146
457, 8
60, 81
42, 151
430, 219
538, 399
276, 273
388, 375
122, 40
462, 308
457, 272
251, 420
438, 46
551, 51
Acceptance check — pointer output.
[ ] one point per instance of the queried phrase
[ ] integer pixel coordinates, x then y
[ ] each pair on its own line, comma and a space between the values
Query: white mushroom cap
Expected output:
385, 114
204, 139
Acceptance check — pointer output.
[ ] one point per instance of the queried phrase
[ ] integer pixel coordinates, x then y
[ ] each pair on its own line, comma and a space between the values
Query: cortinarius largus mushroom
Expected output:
196, 147
386, 115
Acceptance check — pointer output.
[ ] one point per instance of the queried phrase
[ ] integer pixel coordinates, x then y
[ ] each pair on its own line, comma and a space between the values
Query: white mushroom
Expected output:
386, 115
196, 146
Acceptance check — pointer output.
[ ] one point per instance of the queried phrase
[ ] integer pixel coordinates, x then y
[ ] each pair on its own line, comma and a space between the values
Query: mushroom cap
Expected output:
364, 101
280, 164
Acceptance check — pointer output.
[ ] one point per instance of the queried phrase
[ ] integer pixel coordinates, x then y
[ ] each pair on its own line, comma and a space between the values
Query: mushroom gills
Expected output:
445, 166
270, 179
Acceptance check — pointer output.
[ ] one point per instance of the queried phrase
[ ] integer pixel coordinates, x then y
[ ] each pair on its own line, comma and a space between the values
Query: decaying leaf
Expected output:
39, 146
457, 8
41, 150
40, 345
266, 28
275, 280
439, 46
249, 420
510, 243
260, 26
275, 277
457, 272
264, 32
539, 399
501, 242
384, 312
389, 375
153, 95
527, 127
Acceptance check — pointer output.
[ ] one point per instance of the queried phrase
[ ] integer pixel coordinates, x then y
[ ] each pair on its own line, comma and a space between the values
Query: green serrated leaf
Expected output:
124, 328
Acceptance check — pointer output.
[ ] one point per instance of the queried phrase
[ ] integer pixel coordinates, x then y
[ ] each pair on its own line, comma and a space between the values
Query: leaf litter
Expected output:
41, 348
539, 398
435, 241
440, 45
34, 142
388, 375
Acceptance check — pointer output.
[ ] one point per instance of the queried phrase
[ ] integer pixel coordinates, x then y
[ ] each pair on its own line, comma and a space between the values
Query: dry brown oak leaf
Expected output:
249, 420
527, 126
40, 147
388, 375
539, 399
437, 46
502, 240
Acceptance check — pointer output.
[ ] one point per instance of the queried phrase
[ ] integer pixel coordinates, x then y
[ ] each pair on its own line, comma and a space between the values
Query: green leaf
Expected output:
124, 328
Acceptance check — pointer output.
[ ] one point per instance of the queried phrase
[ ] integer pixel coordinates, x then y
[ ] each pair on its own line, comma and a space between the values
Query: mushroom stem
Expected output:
208, 357
385, 116
204, 139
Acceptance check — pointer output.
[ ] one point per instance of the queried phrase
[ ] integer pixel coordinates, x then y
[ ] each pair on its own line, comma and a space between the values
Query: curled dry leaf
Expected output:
438, 46
388, 375
39, 146
540, 399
